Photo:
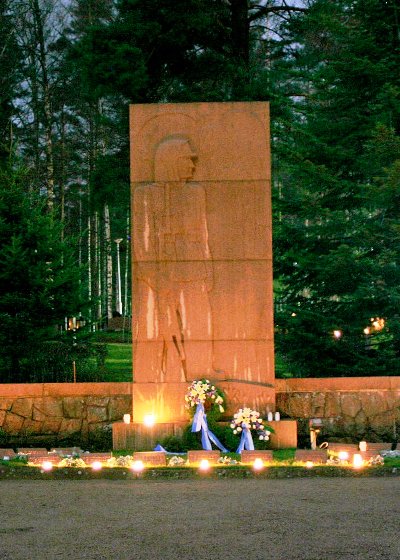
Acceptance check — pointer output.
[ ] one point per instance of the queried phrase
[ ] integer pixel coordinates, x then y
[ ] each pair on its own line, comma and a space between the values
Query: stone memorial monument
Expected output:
202, 255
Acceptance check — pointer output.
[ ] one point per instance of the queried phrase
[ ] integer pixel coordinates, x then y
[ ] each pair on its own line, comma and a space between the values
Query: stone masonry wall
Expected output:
356, 407
59, 410
347, 406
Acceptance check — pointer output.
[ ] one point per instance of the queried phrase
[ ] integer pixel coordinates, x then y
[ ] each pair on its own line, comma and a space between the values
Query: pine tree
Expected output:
335, 240
37, 275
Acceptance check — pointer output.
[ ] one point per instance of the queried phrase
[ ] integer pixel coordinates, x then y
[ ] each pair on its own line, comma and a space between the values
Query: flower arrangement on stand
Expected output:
243, 422
203, 392
203, 395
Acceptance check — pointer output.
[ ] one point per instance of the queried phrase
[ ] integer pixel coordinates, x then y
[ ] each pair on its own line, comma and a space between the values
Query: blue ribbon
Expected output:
159, 447
200, 423
246, 441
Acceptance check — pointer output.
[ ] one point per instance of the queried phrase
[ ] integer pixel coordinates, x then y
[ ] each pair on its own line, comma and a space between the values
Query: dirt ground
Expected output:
295, 519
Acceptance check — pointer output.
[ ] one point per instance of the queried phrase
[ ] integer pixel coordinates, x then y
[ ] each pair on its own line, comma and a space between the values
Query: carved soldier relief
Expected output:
174, 269
202, 250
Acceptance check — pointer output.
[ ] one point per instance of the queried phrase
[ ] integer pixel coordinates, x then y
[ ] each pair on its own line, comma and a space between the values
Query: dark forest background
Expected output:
330, 70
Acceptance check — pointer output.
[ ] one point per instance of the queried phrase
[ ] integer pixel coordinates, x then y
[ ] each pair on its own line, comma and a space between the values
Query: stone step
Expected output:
313, 455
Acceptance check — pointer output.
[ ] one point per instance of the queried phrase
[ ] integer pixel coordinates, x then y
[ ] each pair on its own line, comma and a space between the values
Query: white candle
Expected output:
127, 418
270, 416
277, 416
363, 446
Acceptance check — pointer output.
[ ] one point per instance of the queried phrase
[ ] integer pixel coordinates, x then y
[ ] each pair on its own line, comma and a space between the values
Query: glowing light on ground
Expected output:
47, 466
343, 456
137, 466
96, 466
258, 464
358, 461
204, 465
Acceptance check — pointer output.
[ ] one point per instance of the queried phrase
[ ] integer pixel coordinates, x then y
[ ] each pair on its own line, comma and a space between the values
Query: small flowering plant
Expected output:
250, 419
203, 392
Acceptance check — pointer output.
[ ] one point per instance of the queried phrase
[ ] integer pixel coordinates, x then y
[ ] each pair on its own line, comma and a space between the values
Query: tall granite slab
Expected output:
202, 254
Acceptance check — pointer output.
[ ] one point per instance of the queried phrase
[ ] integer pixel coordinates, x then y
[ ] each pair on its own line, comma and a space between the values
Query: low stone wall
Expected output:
61, 410
354, 406
347, 406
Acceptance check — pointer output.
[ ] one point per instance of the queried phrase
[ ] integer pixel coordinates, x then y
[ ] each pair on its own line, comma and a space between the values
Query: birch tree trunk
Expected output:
126, 310
97, 266
108, 256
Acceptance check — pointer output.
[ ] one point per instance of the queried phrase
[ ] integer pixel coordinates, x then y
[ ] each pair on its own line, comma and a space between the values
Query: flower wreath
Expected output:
201, 397
243, 422
203, 392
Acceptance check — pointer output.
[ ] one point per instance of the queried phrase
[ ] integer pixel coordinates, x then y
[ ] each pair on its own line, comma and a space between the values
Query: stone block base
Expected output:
285, 434
248, 457
151, 458
313, 455
195, 457
137, 437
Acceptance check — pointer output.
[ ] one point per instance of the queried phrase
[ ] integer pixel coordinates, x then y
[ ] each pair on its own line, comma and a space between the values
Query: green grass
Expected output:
284, 454
118, 364
281, 368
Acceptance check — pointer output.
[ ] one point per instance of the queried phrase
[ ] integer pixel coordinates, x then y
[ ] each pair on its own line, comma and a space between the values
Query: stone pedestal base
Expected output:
137, 437
285, 435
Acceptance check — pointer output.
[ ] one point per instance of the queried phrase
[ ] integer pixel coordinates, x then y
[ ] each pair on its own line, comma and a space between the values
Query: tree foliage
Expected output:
336, 242
40, 286
329, 70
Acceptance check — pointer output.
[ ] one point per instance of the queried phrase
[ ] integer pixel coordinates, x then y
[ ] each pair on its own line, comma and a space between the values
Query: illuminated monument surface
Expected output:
202, 255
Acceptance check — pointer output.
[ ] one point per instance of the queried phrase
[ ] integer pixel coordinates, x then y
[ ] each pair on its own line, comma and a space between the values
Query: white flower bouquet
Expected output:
247, 419
203, 392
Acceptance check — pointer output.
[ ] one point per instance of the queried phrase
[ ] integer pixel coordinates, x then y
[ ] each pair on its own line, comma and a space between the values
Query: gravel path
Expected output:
296, 519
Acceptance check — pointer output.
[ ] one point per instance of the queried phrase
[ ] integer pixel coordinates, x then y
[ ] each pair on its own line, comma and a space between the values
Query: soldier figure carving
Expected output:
173, 268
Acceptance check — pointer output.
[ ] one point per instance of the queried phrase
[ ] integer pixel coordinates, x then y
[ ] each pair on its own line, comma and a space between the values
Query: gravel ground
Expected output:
296, 519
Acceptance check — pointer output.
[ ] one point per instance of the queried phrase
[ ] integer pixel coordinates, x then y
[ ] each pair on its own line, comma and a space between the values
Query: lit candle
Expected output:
277, 416
270, 416
137, 466
204, 465
127, 418
149, 420
363, 446
358, 461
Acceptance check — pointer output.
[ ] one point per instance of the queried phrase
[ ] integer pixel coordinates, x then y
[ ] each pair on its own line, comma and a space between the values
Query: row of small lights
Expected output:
137, 466
204, 465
